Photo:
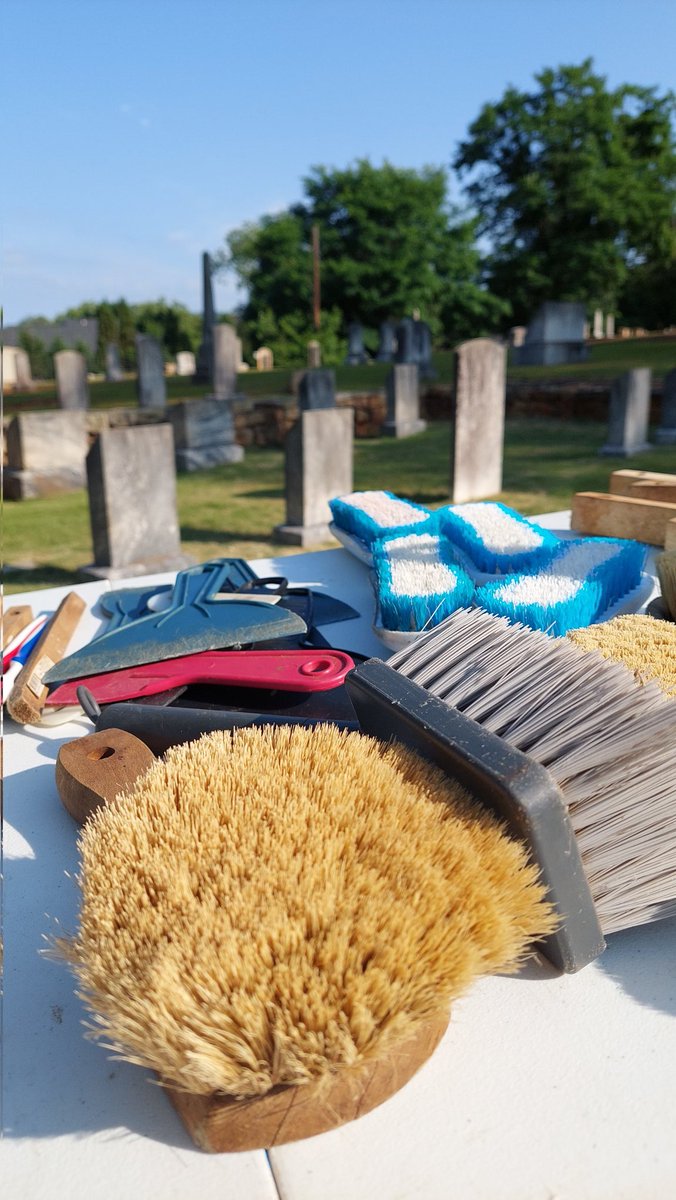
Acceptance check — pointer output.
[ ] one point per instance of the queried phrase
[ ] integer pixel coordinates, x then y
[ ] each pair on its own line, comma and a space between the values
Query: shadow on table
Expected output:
641, 962
55, 1082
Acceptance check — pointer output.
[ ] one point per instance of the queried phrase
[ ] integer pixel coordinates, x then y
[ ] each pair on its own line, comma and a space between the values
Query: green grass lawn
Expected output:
232, 510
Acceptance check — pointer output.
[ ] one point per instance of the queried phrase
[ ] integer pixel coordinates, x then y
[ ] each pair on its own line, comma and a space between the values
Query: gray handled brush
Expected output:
569, 748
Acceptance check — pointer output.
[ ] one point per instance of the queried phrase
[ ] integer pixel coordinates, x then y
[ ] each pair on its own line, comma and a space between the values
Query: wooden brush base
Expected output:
288, 1113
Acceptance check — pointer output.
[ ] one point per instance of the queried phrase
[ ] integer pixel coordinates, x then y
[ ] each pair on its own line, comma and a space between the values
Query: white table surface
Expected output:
545, 1087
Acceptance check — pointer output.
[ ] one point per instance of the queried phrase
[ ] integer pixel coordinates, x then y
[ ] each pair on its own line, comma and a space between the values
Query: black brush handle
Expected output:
517, 789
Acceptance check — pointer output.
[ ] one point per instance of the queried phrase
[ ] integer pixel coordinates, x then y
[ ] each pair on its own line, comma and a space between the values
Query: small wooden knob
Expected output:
93, 770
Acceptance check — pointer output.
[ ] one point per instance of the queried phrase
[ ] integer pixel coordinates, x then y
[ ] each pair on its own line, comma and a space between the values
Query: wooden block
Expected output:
670, 538
602, 515
26, 699
652, 489
287, 1113
14, 620
622, 482
93, 770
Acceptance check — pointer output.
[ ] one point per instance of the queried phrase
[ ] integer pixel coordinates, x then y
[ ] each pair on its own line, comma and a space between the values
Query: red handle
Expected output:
288, 670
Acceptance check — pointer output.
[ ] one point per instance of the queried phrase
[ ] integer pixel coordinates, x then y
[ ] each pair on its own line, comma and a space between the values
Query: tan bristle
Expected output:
646, 645
268, 905
607, 741
666, 573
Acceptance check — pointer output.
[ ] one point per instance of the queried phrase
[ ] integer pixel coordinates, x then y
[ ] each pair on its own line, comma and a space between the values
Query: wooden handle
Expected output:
14, 620
603, 515
26, 699
93, 770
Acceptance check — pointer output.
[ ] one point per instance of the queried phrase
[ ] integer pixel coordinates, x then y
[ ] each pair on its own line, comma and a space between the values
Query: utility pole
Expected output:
316, 287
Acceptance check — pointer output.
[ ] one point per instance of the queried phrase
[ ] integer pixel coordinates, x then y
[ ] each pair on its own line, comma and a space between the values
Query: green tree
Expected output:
390, 243
573, 183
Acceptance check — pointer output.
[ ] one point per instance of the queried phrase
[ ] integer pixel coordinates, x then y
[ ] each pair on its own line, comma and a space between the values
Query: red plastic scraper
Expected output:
286, 670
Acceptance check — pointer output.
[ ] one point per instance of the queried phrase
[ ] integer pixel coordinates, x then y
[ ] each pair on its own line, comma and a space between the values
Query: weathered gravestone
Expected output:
264, 359
45, 454
22, 368
226, 358
317, 389
114, 370
131, 483
185, 363
665, 433
314, 355
597, 327
555, 335
403, 405
151, 385
387, 343
422, 349
406, 348
205, 353
204, 434
629, 414
356, 354
610, 325
478, 427
318, 466
71, 379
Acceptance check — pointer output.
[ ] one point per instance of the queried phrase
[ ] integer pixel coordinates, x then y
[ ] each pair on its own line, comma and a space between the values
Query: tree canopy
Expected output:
574, 185
390, 243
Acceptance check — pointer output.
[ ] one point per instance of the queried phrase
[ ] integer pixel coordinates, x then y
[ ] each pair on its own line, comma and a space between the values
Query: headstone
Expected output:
314, 355
132, 503
185, 362
114, 370
555, 335
422, 343
204, 433
150, 382
387, 344
318, 466
586, 330
597, 327
665, 433
406, 348
71, 379
403, 406
264, 358
629, 414
226, 355
610, 325
9, 366
205, 354
45, 454
356, 354
22, 368
517, 336
317, 389
478, 428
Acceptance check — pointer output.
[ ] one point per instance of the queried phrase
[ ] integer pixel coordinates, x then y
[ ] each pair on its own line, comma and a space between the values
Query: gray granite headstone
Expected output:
610, 325
317, 389
422, 343
205, 354
114, 370
22, 367
226, 360
406, 348
314, 355
356, 354
185, 362
597, 327
554, 335
204, 433
318, 466
403, 406
629, 414
45, 454
151, 385
665, 434
131, 483
478, 427
387, 344
71, 379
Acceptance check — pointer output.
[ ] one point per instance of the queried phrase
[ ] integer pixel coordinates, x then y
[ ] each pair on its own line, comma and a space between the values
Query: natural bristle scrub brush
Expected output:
666, 573
277, 920
575, 755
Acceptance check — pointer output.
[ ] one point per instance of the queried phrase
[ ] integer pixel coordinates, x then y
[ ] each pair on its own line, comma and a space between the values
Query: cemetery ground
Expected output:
232, 510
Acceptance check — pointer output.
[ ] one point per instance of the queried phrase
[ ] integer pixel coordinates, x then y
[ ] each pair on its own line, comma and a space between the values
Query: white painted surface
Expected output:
544, 1088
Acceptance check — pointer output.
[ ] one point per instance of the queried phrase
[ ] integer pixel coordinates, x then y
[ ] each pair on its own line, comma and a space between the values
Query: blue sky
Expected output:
138, 133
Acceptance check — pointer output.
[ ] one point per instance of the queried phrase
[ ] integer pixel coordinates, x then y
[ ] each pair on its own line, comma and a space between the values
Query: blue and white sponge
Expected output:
370, 515
582, 579
497, 539
418, 582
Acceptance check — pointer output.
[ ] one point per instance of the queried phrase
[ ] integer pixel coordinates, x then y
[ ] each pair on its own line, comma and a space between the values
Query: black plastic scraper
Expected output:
195, 620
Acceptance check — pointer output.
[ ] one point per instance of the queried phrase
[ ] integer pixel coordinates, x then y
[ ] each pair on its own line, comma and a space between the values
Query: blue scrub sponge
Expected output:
418, 581
370, 515
497, 539
582, 579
